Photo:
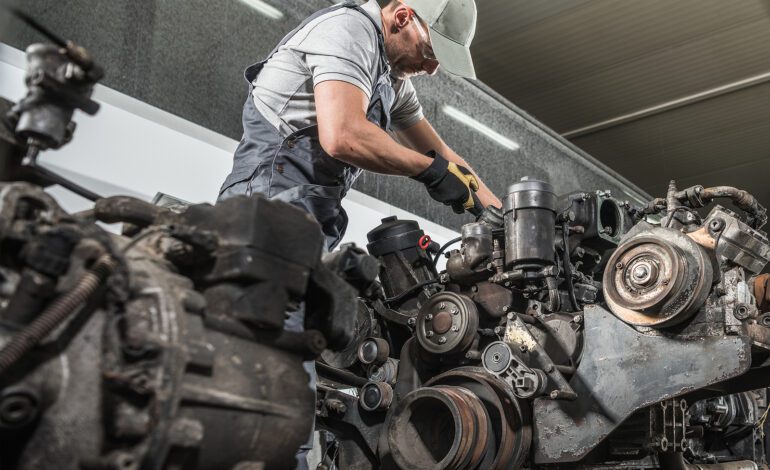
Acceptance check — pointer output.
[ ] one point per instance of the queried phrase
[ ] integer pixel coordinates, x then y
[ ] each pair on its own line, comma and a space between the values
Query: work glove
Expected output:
451, 184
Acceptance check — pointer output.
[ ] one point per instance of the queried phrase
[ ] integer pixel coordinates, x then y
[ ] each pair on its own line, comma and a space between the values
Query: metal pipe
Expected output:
668, 105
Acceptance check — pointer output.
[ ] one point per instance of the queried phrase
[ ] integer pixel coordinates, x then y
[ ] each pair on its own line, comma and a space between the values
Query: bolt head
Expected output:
455, 328
411, 321
428, 317
442, 340
429, 334
619, 265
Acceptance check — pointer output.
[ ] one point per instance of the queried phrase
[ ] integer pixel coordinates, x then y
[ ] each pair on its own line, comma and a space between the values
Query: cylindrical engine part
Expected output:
403, 263
438, 427
375, 396
373, 351
529, 211
45, 122
657, 279
447, 323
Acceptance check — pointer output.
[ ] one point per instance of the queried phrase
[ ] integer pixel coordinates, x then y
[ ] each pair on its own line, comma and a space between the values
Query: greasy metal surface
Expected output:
621, 371
442, 427
447, 323
657, 278
509, 416
740, 243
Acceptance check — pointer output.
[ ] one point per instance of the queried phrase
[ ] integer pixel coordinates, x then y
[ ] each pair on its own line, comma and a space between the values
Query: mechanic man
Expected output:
325, 103
322, 104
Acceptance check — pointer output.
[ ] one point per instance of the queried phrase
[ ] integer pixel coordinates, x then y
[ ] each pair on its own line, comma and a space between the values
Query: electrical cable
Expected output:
443, 248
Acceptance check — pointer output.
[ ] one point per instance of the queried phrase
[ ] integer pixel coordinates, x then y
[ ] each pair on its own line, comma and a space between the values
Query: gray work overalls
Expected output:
295, 169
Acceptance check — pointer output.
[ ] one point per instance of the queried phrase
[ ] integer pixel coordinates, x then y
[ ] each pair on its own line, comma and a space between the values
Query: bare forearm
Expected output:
367, 146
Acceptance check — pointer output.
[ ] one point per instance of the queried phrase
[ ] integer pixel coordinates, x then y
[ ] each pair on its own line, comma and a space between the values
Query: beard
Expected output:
401, 66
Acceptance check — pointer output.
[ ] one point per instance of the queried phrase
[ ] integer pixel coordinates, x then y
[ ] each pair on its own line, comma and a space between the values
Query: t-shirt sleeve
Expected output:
406, 110
341, 47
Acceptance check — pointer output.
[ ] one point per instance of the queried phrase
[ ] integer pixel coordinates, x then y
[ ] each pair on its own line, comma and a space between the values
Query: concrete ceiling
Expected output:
656, 89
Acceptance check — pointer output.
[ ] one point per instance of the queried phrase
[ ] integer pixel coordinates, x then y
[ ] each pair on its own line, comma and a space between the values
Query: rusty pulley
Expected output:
658, 278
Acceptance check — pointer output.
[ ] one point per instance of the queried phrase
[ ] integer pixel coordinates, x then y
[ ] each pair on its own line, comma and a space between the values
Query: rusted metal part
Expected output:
658, 278
741, 198
698, 196
737, 241
621, 371
375, 396
762, 292
704, 238
439, 427
508, 415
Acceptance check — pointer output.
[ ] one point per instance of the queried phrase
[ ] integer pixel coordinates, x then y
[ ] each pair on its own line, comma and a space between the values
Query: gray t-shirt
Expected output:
341, 45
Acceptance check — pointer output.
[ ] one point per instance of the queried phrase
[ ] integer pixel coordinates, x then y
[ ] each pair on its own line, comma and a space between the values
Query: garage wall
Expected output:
186, 57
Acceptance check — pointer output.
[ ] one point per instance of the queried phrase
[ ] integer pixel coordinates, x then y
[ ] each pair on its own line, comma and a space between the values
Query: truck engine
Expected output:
568, 331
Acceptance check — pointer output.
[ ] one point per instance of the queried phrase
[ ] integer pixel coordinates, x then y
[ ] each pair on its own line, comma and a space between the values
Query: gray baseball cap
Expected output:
452, 27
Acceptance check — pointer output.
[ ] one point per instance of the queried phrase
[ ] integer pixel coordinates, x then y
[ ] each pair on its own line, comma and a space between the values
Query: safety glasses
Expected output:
425, 46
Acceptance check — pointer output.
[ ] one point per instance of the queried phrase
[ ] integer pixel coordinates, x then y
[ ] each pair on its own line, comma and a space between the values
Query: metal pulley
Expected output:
462, 419
658, 278
447, 323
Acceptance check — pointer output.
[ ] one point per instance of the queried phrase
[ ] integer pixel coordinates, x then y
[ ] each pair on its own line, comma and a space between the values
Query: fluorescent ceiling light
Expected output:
264, 9
460, 116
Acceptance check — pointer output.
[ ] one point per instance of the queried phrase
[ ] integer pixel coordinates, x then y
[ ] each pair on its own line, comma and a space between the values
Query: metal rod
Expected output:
55, 178
669, 105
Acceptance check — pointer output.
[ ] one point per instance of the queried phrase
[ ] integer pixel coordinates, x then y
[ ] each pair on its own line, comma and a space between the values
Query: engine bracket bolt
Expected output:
442, 339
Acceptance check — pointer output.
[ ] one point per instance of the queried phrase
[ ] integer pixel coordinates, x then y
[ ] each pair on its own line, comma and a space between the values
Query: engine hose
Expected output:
741, 198
340, 375
59, 309
568, 268
443, 249
698, 196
